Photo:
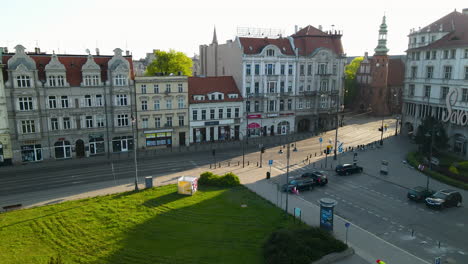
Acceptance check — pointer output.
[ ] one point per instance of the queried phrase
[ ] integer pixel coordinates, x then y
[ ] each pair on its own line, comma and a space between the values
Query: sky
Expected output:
140, 26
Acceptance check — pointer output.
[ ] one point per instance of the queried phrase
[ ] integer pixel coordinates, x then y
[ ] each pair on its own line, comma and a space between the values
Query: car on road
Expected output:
300, 184
419, 193
346, 169
444, 198
319, 177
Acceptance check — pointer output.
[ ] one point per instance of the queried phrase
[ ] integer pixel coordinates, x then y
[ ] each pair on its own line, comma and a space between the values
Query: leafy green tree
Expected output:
170, 62
424, 135
351, 85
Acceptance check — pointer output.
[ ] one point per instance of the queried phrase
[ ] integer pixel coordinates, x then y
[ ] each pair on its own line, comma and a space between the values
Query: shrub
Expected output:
211, 179
463, 165
229, 179
206, 178
453, 169
300, 245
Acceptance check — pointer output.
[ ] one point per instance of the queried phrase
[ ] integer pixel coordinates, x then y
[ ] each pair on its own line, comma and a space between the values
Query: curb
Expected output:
334, 257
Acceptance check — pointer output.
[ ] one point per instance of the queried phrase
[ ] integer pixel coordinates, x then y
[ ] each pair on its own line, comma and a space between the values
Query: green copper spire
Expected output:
382, 46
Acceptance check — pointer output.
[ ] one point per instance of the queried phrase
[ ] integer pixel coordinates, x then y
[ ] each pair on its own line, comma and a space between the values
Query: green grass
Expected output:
151, 226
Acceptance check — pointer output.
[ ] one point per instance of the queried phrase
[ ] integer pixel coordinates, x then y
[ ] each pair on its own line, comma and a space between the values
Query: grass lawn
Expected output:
151, 226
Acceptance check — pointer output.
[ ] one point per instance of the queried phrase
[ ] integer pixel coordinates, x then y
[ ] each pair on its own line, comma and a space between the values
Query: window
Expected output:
23, 81
247, 106
466, 73
247, 88
309, 69
257, 106
25, 103
289, 86
99, 101
220, 96
121, 99
427, 91
281, 106
335, 69
100, 121
428, 55
300, 104
447, 72
228, 113
453, 53
466, 54
180, 103
168, 88
270, 52
324, 85
248, 69
52, 81
144, 105
89, 80
27, 126
281, 86
446, 54
290, 69
272, 87
122, 120
54, 123
271, 105
308, 103
445, 91
434, 54
87, 101
423, 39
411, 90
429, 72
236, 112
322, 69
157, 106
289, 104
144, 122
143, 88
270, 69
180, 88
257, 69
120, 80
301, 86
212, 114
282, 69
168, 121
64, 101
414, 71
465, 95
418, 55
181, 121
195, 115
257, 87
155, 88
301, 69
66, 123
203, 114
89, 121
333, 85
52, 102
157, 122
213, 97
169, 104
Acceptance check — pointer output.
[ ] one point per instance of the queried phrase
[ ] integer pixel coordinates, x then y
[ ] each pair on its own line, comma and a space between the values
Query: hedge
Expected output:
210, 179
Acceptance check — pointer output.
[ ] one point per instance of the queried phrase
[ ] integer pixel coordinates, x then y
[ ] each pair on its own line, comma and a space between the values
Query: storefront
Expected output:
32, 152
254, 128
96, 144
158, 138
62, 149
122, 144
283, 128
199, 134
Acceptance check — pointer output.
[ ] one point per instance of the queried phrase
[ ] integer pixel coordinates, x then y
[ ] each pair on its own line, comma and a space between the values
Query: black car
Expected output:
419, 193
347, 169
300, 184
319, 177
444, 198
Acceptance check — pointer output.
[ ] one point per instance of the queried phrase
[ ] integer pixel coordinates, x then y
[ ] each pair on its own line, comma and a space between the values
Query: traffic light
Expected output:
327, 150
263, 150
380, 128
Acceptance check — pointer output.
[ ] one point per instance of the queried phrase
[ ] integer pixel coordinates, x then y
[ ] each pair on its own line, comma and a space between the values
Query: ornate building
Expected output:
6, 153
67, 106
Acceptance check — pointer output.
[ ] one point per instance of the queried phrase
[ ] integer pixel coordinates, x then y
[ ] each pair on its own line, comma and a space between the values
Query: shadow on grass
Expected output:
209, 227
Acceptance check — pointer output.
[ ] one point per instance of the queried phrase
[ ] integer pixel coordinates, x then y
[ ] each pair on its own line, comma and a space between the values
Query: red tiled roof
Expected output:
206, 85
309, 39
72, 63
256, 45
456, 23
396, 72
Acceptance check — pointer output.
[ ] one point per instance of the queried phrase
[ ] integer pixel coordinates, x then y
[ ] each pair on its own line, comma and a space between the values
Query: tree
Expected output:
170, 62
351, 85
424, 135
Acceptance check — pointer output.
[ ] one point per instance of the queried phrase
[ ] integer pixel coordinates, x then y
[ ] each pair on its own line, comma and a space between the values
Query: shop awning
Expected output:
253, 125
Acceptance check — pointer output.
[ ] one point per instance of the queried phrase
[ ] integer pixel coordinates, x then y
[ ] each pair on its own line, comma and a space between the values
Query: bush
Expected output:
463, 165
300, 245
453, 169
211, 179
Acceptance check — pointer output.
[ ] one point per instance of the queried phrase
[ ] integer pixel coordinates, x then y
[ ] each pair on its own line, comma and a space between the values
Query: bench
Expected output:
12, 207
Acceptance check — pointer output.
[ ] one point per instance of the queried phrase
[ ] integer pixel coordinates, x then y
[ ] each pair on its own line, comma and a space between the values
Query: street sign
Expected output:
270, 162
340, 145
437, 260
297, 211
340, 149
320, 140
347, 224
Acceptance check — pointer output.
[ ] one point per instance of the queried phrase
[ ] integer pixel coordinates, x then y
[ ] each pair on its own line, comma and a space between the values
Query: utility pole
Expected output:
287, 177
336, 132
381, 133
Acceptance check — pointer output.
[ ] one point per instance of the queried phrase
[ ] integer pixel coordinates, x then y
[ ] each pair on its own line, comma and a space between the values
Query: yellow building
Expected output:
6, 153
162, 111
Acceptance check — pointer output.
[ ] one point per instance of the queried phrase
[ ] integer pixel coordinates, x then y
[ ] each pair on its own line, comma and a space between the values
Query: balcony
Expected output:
308, 93
255, 95
324, 74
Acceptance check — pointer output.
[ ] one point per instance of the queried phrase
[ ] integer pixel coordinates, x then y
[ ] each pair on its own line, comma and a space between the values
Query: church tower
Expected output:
379, 85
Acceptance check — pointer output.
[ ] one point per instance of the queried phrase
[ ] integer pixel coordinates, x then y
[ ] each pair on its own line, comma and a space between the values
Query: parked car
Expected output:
347, 169
300, 184
419, 193
319, 177
444, 198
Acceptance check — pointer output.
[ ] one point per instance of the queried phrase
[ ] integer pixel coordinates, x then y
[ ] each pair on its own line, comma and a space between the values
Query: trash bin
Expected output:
268, 175
149, 182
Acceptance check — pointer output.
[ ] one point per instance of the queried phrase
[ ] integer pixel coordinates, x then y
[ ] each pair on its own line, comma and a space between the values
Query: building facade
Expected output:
216, 109
436, 78
162, 111
67, 106
380, 80
6, 153
288, 84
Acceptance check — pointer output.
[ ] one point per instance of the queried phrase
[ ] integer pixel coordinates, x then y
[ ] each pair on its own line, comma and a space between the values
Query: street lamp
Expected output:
338, 108
135, 147
288, 154
430, 153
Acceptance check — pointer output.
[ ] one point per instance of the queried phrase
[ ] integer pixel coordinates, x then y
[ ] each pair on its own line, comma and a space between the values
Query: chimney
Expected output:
295, 28
127, 53
37, 50
97, 51
320, 27
465, 11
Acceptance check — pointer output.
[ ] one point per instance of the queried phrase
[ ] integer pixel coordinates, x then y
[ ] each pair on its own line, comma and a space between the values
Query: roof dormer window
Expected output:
56, 81
120, 80
270, 52
23, 81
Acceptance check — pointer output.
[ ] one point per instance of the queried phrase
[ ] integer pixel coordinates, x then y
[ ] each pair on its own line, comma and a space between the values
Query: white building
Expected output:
216, 112
436, 78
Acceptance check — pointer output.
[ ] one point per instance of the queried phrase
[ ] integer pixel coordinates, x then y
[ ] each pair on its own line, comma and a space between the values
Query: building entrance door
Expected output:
80, 149
181, 138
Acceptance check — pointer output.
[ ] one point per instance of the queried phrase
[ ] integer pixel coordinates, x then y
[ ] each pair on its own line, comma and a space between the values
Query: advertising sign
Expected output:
326, 218
254, 116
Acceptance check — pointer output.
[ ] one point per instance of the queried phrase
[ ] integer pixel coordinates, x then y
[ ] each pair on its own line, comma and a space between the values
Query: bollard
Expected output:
439, 244
309, 162
229, 164
210, 165
257, 163
412, 232
215, 165
310, 156
238, 163
315, 154
248, 162
219, 165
